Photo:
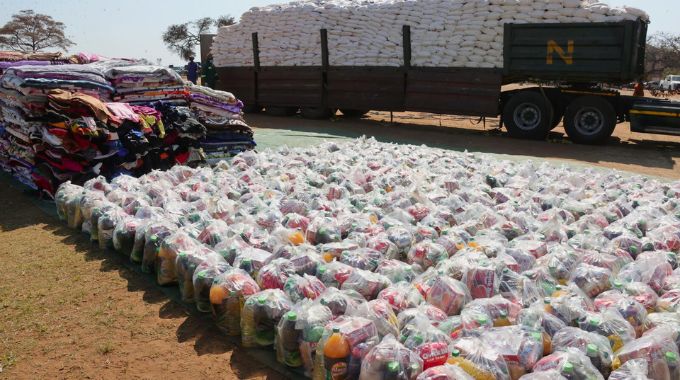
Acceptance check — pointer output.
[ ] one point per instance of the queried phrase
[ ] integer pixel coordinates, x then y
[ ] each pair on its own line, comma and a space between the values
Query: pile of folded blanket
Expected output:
145, 84
76, 121
220, 111
12, 58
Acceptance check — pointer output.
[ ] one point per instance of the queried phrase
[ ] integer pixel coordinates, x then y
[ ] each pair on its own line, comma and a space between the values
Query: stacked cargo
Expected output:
221, 112
444, 33
59, 124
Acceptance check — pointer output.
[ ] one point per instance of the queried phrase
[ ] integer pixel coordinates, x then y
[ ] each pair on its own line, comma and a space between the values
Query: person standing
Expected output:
192, 71
209, 73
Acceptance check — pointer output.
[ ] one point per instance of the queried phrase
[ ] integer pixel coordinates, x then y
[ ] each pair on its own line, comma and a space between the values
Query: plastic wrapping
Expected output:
362, 258
382, 315
204, 275
300, 287
334, 274
260, 315
165, 265
611, 325
479, 359
426, 340
390, 359
366, 283
657, 348
595, 346
448, 294
570, 363
275, 274
520, 349
340, 302
401, 295
186, 264
396, 271
591, 279
227, 296
150, 236
636, 369
356, 332
445, 372
426, 254
106, 223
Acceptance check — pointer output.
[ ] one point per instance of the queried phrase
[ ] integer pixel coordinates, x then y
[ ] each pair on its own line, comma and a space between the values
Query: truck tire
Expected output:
354, 114
281, 111
589, 120
316, 112
528, 115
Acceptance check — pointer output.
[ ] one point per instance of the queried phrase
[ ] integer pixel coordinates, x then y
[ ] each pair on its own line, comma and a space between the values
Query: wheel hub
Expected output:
527, 116
589, 121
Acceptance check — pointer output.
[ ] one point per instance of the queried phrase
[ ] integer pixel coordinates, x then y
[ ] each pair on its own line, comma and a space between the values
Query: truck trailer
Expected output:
573, 67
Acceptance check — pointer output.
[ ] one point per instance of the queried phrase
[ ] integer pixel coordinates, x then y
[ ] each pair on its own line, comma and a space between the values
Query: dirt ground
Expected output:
70, 310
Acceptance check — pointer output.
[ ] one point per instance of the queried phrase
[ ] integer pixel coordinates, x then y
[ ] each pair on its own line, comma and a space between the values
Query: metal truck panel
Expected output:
376, 88
240, 81
462, 91
290, 86
576, 52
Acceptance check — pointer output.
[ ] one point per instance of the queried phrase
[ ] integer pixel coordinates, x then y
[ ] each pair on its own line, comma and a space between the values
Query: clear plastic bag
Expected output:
636, 369
204, 275
106, 223
445, 372
165, 265
356, 331
275, 274
227, 296
300, 287
426, 254
366, 283
657, 348
401, 296
382, 315
448, 294
260, 315
396, 271
591, 279
185, 267
481, 279
427, 341
362, 258
611, 325
570, 363
340, 302
151, 237
520, 349
390, 359
479, 359
595, 346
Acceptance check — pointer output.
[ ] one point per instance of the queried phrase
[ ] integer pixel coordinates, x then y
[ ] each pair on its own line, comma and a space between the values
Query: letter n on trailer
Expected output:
555, 48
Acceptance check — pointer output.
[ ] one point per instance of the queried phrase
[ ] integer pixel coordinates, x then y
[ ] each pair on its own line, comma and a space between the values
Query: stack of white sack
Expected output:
458, 33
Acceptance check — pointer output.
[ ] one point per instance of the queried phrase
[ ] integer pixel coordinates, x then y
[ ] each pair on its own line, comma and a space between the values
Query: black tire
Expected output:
252, 108
589, 120
316, 113
281, 111
558, 114
355, 114
528, 115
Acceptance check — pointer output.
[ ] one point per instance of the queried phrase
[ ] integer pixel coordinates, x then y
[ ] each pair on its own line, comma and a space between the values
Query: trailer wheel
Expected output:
316, 112
528, 115
281, 111
355, 114
589, 120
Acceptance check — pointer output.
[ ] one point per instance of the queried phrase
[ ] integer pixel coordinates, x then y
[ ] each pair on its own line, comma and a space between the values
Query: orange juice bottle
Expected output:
336, 354
296, 238
469, 367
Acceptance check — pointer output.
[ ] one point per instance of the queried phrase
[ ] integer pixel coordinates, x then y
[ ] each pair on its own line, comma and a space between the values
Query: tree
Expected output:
663, 55
30, 32
183, 38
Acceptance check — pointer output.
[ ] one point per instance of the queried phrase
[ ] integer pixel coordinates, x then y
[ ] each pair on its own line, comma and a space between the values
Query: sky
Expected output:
133, 28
